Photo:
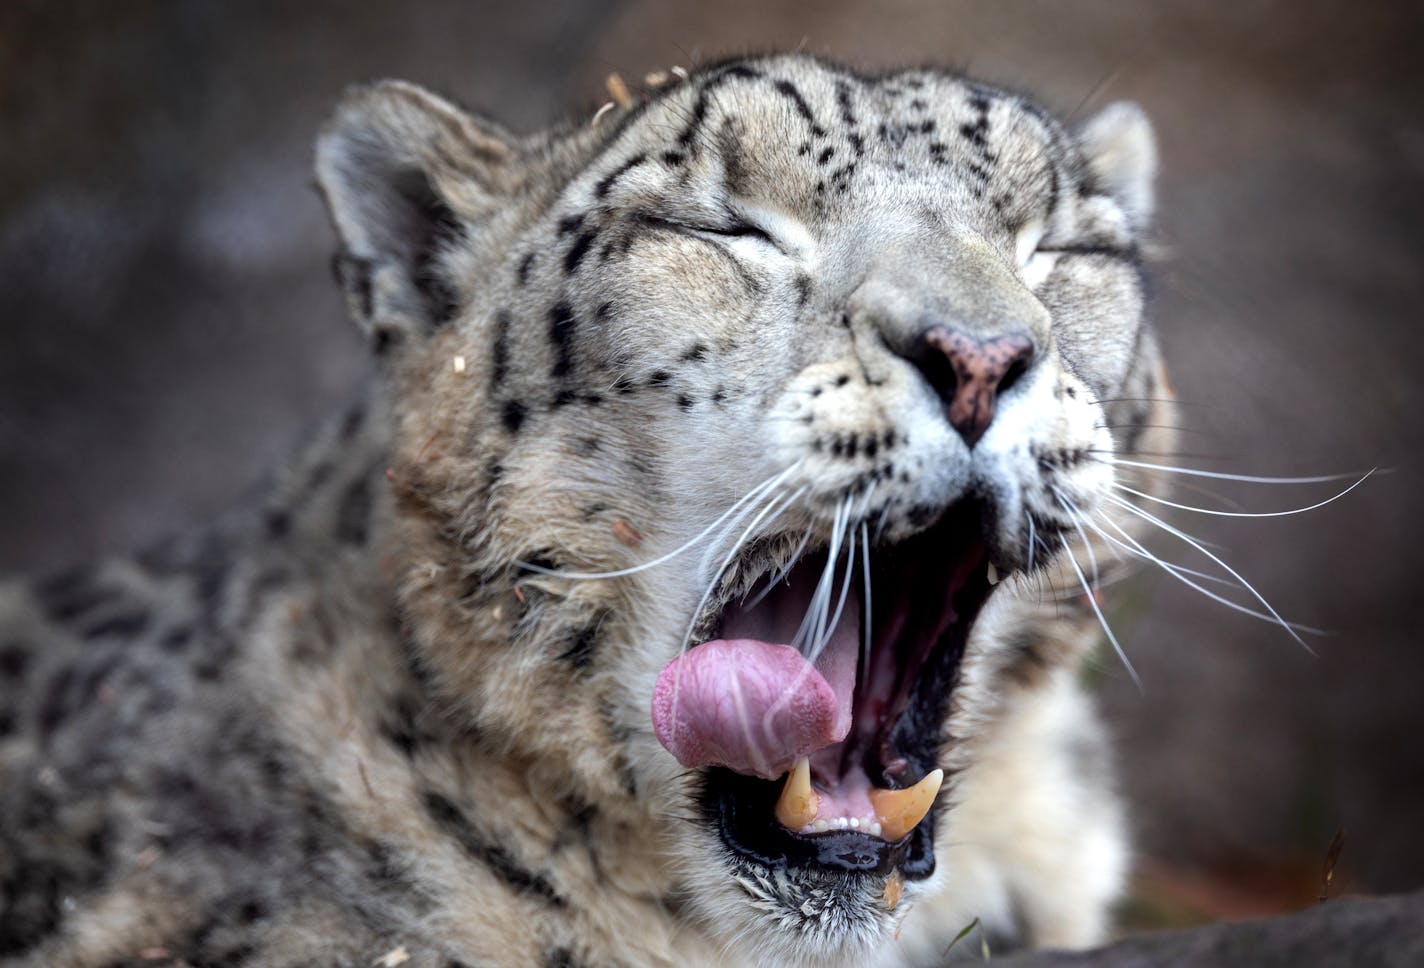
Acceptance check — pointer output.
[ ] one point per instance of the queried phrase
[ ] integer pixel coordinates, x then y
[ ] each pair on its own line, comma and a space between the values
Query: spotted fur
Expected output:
363, 716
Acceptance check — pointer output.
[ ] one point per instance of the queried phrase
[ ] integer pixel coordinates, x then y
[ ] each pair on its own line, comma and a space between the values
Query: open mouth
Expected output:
818, 708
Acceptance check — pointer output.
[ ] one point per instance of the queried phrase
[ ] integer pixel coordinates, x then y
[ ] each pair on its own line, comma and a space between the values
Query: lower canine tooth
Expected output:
901, 810
796, 807
993, 574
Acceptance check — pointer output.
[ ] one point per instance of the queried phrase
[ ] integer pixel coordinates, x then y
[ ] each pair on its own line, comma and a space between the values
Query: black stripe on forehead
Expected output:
789, 90
605, 183
704, 96
730, 146
709, 78
843, 100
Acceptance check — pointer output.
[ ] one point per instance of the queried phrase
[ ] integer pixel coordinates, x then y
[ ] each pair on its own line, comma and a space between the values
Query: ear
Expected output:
405, 174
1121, 154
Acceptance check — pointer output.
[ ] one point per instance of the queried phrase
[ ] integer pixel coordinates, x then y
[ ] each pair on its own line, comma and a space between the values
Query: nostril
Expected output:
938, 369
1015, 372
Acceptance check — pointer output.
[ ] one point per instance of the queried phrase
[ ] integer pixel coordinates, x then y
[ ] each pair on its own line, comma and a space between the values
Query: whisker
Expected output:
865, 613
857, 514
1175, 428
773, 504
1074, 513
1153, 519
1093, 601
813, 609
720, 538
1242, 514
1202, 489
1179, 572
820, 602
751, 495
1049, 592
1195, 404
884, 520
845, 588
1247, 478
1203, 575
812, 646
778, 505
1169, 454
823, 604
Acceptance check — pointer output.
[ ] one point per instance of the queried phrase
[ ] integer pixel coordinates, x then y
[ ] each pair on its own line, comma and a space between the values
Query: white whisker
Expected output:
1074, 514
772, 505
1247, 478
828, 580
841, 601
1153, 519
1093, 601
880, 525
865, 612
817, 608
1243, 514
814, 607
1179, 572
752, 495
730, 526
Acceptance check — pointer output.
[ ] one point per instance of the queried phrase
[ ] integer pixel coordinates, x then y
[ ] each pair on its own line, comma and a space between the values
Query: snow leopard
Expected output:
705, 577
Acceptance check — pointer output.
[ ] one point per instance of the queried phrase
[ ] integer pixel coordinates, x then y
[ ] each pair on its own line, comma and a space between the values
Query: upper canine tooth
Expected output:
797, 805
900, 810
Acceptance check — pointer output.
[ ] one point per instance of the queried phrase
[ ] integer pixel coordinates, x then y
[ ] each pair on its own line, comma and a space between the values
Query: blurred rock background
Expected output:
169, 330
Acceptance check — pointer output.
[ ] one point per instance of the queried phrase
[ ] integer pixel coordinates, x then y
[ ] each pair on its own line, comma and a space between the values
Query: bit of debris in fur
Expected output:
392, 958
618, 90
626, 533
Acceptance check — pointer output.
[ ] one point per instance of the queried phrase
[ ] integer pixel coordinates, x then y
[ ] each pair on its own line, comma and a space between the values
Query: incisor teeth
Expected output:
796, 807
900, 810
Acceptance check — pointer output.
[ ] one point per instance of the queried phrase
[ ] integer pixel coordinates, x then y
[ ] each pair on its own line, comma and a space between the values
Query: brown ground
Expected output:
171, 329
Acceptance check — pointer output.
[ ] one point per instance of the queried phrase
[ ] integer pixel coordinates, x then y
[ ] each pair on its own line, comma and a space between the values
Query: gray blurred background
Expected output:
170, 330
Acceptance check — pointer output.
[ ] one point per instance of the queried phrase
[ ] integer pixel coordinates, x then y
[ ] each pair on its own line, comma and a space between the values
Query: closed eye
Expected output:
729, 230
740, 230
734, 230
1037, 259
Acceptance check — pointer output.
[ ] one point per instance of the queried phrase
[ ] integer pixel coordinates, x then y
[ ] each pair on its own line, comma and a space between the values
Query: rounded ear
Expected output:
405, 175
1121, 154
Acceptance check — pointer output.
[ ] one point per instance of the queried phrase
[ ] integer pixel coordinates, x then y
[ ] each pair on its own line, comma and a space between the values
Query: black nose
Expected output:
969, 374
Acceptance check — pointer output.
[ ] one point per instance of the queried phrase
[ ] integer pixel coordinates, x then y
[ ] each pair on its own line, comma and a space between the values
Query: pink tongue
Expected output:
753, 706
